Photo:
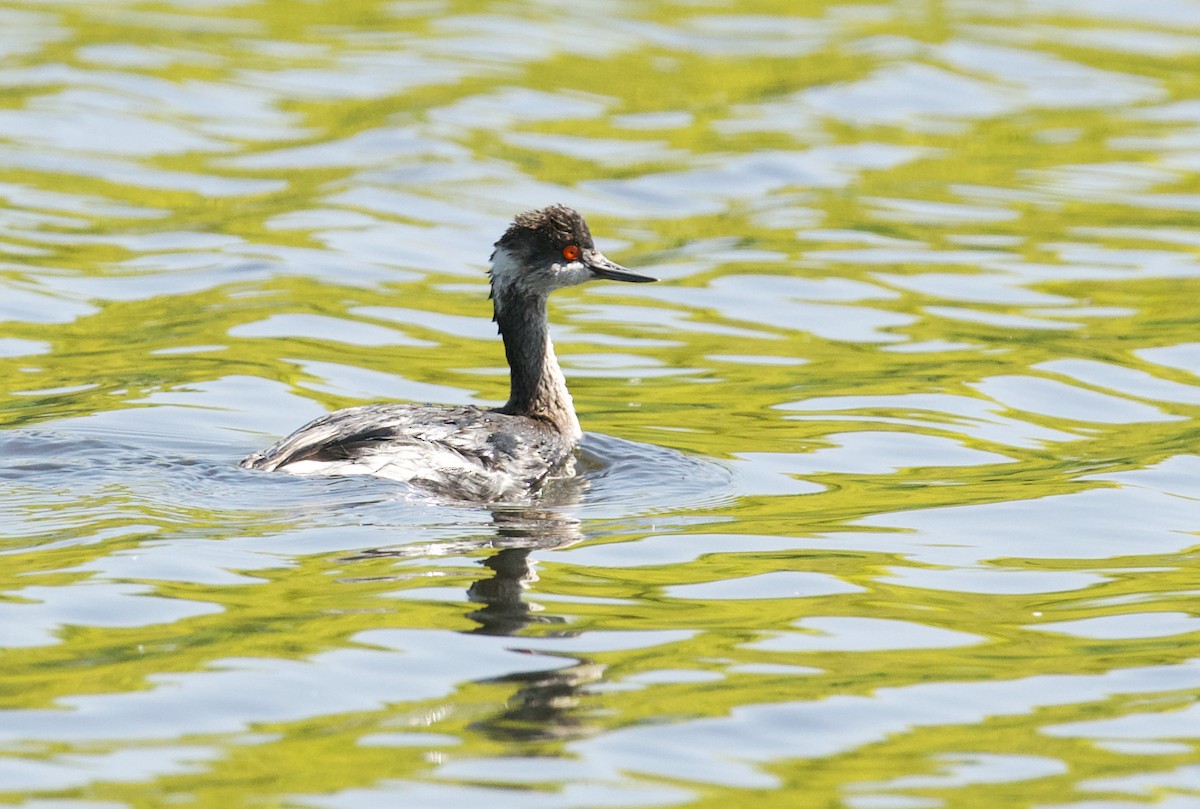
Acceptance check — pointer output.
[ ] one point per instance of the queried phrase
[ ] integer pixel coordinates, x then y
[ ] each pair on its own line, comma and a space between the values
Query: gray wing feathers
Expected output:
461, 451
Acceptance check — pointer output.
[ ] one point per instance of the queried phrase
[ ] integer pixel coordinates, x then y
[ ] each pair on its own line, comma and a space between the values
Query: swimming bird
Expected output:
473, 453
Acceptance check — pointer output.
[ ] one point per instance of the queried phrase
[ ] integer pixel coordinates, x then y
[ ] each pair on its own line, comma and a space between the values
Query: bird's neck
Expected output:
539, 389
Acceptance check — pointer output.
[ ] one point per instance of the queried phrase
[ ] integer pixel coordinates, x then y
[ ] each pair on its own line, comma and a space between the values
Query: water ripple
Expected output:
892, 479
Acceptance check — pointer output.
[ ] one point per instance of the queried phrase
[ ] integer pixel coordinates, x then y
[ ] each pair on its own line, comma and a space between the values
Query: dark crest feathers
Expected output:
553, 227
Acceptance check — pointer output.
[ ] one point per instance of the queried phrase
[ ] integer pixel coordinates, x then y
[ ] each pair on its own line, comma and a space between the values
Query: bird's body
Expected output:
468, 452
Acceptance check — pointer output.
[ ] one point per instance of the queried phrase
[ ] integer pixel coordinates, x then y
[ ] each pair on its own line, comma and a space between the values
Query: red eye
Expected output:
571, 252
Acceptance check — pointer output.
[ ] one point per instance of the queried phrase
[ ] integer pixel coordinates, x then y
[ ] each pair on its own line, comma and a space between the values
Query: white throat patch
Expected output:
506, 272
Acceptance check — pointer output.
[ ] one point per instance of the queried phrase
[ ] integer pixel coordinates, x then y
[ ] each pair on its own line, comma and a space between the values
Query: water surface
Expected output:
891, 491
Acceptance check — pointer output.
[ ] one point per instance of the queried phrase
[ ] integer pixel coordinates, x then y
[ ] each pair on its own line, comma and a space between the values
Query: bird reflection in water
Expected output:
518, 533
547, 703
505, 610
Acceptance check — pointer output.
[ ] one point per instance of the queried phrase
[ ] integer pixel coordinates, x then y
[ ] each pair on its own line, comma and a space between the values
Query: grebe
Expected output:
473, 453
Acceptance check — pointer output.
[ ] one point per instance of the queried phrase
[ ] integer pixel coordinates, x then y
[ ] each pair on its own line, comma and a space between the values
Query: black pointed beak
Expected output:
602, 267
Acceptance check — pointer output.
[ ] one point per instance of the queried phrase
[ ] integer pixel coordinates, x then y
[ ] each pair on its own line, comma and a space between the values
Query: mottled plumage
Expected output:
468, 452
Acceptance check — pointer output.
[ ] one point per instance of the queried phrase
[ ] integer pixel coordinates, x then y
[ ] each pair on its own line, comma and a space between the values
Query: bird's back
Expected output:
461, 452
